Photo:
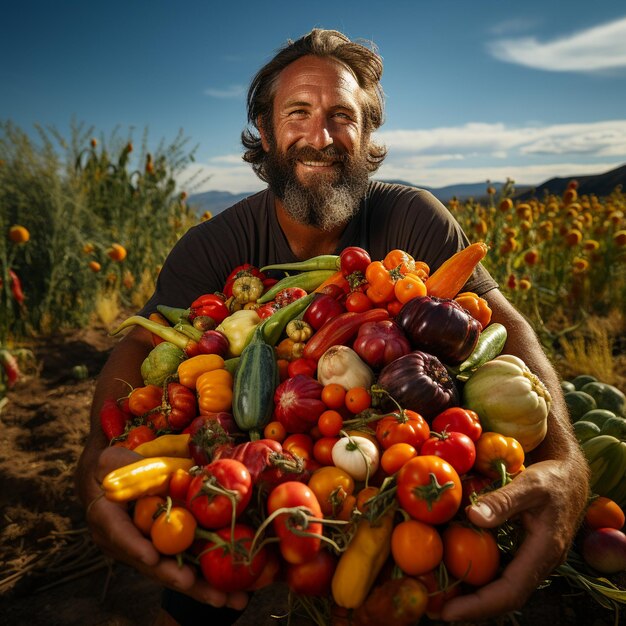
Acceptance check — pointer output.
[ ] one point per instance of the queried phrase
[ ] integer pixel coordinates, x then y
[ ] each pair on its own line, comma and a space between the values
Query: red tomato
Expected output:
302, 365
406, 537
330, 423
473, 485
354, 259
470, 554
323, 450
303, 546
206, 496
429, 489
403, 427
136, 436
322, 309
379, 343
179, 485
456, 448
357, 302
313, 577
459, 420
299, 441
227, 568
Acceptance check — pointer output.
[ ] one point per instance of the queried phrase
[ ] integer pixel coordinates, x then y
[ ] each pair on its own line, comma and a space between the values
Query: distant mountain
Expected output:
599, 184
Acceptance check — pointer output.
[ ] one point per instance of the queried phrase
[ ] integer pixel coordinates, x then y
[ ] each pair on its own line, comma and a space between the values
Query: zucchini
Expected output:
580, 381
598, 416
255, 381
615, 426
489, 345
585, 430
579, 403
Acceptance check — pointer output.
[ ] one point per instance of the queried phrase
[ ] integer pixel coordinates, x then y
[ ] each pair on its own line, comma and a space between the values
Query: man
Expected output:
311, 111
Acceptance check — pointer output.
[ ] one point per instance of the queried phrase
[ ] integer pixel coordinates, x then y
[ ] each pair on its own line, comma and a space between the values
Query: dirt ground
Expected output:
50, 571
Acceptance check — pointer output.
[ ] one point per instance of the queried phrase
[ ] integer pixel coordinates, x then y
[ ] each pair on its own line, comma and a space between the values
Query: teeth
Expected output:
317, 163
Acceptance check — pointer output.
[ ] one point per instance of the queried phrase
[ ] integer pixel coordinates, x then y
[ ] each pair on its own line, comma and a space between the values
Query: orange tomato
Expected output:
323, 450
396, 455
603, 512
144, 512
366, 494
116, 252
19, 234
330, 423
416, 547
143, 399
275, 430
333, 396
173, 531
299, 441
331, 485
358, 399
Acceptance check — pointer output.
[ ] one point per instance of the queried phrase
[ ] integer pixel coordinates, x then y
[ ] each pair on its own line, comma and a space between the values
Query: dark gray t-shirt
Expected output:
391, 217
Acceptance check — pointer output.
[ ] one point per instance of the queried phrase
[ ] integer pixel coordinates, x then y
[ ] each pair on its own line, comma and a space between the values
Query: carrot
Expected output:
449, 278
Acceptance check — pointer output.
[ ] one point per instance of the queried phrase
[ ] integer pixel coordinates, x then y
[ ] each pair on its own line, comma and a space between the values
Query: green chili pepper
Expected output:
309, 281
321, 262
167, 333
272, 327
172, 314
490, 344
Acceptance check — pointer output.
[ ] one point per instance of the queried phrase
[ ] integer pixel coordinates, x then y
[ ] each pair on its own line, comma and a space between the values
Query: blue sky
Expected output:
479, 90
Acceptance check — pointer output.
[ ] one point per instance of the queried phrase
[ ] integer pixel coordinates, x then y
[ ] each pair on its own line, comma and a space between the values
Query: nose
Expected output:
318, 134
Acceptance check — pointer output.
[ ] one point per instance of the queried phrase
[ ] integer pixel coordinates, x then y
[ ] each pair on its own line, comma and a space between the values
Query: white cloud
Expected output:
232, 91
473, 152
598, 48
514, 25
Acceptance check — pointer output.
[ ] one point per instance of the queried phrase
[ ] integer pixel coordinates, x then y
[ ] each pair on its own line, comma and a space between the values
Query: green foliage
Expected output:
77, 199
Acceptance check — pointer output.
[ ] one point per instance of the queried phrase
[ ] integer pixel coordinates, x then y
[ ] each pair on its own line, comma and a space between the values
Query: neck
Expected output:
307, 241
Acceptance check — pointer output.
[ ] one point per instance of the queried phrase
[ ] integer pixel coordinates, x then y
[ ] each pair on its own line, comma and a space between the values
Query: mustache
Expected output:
309, 153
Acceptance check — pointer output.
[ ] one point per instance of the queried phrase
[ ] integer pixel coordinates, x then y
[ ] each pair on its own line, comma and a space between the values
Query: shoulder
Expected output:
384, 193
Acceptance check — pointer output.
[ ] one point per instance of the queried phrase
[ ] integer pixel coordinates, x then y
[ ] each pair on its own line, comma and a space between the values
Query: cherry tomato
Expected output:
144, 511
456, 448
603, 512
358, 302
358, 399
330, 423
296, 545
403, 427
429, 489
179, 485
323, 450
459, 420
470, 554
173, 531
416, 547
313, 577
228, 567
275, 430
396, 455
333, 396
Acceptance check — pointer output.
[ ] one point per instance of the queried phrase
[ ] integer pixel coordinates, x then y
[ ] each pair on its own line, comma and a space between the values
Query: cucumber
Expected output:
489, 345
598, 416
585, 430
580, 381
615, 426
606, 396
579, 403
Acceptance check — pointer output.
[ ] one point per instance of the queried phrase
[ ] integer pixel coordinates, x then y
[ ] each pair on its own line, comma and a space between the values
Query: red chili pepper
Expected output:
10, 365
113, 419
209, 305
16, 287
340, 330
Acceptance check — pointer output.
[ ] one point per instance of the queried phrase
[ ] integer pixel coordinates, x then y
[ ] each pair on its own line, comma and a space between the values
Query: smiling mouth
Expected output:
319, 163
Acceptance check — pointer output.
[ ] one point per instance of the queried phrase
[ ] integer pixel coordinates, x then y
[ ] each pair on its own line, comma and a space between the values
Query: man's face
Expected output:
316, 148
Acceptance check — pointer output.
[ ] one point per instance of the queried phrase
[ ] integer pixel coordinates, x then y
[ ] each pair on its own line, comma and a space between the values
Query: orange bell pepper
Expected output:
498, 456
476, 306
191, 369
215, 391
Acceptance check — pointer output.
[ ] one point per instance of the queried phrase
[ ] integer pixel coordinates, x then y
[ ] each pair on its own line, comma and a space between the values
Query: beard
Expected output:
325, 200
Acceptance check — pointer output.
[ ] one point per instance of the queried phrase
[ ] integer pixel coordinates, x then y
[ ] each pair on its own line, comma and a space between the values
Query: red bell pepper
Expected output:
209, 305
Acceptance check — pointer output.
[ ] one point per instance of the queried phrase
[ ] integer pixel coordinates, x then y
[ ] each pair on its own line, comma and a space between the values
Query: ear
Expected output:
262, 134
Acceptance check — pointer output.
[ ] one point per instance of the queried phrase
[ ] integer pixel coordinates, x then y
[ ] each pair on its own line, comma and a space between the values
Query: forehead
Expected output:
312, 75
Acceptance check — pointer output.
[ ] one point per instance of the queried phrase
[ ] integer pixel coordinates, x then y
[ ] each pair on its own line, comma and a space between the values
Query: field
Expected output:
85, 224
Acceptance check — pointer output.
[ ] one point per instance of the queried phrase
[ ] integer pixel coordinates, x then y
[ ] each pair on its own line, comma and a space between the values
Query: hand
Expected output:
114, 532
548, 497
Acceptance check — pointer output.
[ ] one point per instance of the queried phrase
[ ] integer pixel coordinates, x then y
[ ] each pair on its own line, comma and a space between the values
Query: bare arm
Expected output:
110, 524
549, 496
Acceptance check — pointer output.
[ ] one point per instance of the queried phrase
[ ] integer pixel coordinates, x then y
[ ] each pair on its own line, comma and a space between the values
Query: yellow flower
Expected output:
580, 266
505, 205
620, 238
509, 245
88, 248
524, 284
573, 237
531, 257
207, 215
570, 195
591, 245
19, 234
481, 228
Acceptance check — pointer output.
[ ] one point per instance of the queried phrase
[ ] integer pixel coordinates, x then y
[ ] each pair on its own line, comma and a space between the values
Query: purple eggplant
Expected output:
419, 382
440, 327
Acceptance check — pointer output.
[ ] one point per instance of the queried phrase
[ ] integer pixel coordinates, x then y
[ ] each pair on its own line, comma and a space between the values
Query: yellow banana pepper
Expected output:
238, 328
190, 369
146, 477
166, 445
362, 561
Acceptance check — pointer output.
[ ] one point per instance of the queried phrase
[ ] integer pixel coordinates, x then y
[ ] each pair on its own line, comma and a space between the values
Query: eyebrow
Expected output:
305, 103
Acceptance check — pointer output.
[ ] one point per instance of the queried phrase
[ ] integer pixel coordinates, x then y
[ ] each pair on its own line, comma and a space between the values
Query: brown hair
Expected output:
362, 61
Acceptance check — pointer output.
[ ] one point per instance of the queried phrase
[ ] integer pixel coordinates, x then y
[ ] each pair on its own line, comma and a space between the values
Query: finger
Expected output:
496, 507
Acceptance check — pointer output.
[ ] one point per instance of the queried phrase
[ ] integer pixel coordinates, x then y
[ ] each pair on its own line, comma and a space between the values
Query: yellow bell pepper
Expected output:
215, 391
145, 477
362, 561
190, 369
238, 328
166, 445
